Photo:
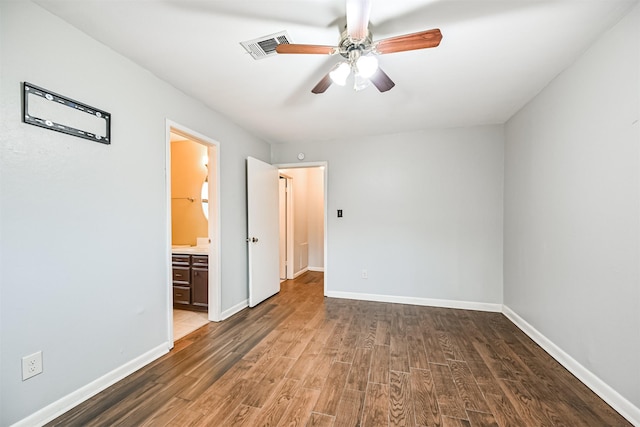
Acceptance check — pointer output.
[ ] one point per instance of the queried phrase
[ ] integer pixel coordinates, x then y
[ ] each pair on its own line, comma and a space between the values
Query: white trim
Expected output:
464, 305
325, 258
235, 309
290, 242
73, 399
215, 261
300, 273
315, 268
215, 280
623, 406
168, 226
287, 223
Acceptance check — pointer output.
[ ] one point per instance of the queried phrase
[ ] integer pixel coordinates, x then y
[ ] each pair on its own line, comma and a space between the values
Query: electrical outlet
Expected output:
31, 365
365, 275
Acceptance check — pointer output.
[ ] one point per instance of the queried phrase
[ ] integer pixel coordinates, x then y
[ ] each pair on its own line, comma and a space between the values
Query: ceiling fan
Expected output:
356, 45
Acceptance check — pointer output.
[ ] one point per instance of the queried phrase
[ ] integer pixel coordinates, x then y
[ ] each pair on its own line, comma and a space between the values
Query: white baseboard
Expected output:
300, 273
59, 407
321, 269
599, 387
235, 309
465, 305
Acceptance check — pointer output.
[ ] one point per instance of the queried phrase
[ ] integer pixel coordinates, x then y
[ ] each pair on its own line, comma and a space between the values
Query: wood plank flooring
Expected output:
300, 359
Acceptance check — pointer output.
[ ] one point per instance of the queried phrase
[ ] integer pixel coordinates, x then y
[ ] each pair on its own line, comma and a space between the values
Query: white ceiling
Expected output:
494, 57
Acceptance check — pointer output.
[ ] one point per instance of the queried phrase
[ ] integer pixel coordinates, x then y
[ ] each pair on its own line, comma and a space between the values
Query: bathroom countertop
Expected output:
197, 250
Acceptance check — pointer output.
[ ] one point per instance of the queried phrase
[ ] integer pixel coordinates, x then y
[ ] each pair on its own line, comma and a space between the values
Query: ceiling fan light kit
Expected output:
360, 82
340, 73
358, 48
363, 68
367, 66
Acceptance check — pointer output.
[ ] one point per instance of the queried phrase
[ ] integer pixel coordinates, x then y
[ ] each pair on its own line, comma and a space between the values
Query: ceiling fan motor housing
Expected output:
352, 49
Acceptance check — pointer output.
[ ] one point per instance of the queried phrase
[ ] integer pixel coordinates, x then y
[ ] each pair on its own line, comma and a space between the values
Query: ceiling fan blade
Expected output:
322, 85
421, 40
358, 12
382, 81
305, 48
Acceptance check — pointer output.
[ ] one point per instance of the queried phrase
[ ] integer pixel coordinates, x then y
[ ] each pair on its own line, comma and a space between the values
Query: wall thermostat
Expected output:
300, 156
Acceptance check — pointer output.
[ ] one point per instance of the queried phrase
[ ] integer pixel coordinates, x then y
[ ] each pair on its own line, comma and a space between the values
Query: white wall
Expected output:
572, 210
83, 225
422, 213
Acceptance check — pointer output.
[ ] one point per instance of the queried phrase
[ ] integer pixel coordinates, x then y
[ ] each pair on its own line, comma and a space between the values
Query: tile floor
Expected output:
185, 322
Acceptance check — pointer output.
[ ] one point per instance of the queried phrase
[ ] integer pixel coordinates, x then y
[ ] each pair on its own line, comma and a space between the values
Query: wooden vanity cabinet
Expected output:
181, 297
200, 280
190, 281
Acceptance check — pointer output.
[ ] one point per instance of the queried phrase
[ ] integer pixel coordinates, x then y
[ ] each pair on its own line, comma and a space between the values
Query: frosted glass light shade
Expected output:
340, 73
367, 65
360, 82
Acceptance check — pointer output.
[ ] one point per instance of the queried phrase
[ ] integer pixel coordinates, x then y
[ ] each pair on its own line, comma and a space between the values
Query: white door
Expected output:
263, 230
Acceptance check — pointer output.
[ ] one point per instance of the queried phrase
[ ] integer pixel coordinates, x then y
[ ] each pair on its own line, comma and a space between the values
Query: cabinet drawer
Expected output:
181, 295
180, 259
181, 275
199, 260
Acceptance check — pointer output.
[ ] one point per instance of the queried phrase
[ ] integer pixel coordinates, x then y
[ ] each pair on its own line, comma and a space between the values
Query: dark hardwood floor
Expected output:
300, 359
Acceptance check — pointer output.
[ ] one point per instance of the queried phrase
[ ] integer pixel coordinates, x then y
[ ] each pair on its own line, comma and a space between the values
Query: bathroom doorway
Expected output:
193, 222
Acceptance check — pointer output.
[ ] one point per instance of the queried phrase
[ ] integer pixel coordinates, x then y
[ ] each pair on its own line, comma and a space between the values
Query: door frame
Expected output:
325, 172
213, 167
289, 224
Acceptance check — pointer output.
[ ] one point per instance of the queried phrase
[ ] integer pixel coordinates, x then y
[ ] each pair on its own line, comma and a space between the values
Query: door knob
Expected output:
252, 239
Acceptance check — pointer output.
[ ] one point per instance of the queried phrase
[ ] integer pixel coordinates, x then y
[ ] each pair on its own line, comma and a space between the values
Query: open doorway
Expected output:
302, 220
193, 222
263, 229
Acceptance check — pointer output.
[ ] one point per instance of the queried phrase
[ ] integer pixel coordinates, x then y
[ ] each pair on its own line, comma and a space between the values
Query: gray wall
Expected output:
422, 213
572, 210
83, 225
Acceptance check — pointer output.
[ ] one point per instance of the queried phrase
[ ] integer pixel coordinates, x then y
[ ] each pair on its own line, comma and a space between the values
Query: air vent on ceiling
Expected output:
264, 47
